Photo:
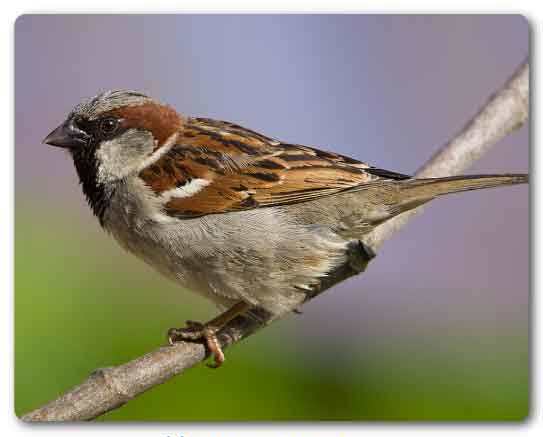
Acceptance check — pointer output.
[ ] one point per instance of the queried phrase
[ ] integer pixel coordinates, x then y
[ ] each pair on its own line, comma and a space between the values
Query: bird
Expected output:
238, 217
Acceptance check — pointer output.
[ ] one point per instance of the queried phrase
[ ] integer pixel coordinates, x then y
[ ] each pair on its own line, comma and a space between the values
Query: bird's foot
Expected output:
196, 331
207, 332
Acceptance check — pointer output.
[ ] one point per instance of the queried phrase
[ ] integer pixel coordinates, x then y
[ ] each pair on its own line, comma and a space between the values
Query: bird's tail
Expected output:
433, 187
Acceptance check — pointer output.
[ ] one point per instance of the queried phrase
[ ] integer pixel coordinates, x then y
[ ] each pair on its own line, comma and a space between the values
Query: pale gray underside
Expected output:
268, 257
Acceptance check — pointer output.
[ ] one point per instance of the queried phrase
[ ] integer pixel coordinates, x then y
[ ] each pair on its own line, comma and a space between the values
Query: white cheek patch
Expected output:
110, 163
129, 154
187, 190
121, 156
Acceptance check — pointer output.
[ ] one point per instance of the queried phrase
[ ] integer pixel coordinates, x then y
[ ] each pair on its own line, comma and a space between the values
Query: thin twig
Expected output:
109, 388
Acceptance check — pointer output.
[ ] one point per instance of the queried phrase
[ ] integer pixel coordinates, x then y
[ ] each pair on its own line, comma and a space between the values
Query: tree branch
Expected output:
110, 388
504, 112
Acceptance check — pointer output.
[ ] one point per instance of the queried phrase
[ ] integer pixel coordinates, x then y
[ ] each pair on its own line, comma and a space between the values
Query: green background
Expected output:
77, 310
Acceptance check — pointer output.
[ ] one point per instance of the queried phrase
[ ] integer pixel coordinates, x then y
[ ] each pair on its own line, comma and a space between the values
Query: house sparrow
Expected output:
243, 219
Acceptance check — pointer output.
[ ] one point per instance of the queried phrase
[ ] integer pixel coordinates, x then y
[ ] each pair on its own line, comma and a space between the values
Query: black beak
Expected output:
67, 135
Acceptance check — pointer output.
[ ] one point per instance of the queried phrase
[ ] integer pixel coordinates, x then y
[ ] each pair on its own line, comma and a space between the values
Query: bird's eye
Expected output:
108, 125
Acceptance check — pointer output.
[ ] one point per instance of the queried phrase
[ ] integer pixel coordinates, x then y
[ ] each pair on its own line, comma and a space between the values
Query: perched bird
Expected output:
243, 219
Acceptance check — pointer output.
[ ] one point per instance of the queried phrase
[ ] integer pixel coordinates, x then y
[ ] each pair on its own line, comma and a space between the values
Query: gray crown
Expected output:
108, 100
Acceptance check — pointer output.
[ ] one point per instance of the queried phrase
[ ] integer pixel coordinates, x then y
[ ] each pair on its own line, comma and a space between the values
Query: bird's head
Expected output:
114, 135
116, 132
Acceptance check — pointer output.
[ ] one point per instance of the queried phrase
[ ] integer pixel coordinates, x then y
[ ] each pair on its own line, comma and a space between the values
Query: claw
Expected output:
195, 331
207, 332
215, 348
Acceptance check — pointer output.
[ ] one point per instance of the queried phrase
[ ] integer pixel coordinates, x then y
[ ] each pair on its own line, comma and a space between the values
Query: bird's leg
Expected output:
208, 331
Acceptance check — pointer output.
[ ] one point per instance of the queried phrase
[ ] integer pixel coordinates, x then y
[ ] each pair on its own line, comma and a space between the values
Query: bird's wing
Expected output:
219, 167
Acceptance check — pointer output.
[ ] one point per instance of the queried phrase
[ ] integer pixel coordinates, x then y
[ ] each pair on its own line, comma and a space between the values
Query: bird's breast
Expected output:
263, 256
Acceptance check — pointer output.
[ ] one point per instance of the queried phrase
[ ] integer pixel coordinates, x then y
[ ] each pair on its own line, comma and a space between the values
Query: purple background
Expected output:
388, 90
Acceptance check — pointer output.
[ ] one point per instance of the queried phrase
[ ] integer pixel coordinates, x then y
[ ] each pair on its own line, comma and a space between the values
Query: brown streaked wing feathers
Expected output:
247, 170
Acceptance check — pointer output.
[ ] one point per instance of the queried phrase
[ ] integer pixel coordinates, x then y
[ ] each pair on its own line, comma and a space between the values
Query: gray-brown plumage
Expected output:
241, 218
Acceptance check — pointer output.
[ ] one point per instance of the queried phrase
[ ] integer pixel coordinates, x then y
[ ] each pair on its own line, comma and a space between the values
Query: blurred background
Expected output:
438, 326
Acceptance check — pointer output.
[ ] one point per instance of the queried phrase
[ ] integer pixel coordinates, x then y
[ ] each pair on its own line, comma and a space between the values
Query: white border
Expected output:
533, 10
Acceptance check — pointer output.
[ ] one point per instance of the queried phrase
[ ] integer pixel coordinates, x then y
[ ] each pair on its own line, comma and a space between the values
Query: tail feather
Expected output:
432, 187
